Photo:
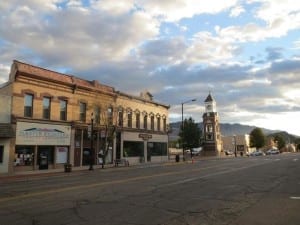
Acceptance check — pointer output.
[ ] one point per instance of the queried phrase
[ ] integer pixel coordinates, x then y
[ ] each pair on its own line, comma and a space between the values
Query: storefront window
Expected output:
133, 149
24, 156
157, 148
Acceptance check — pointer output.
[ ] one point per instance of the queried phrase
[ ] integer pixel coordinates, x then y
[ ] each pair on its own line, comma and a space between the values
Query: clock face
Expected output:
209, 107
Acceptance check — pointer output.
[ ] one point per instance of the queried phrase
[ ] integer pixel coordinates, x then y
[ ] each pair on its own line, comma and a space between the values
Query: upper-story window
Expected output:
129, 118
28, 105
82, 111
97, 114
164, 124
158, 123
152, 122
145, 122
120, 117
137, 120
209, 128
63, 109
110, 115
46, 107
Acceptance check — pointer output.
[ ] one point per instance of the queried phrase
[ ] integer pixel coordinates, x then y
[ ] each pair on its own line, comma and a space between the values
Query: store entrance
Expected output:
45, 156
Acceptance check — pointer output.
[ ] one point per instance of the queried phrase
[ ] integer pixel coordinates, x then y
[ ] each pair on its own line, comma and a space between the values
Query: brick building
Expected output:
52, 118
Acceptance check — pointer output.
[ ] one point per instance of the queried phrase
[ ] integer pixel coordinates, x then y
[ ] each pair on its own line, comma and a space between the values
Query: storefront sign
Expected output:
145, 137
42, 134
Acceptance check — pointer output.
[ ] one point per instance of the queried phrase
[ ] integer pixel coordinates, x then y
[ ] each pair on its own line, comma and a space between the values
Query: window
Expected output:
120, 117
137, 120
28, 105
24, 155
82, 112
63, 110
165, 124
152, 122
110, 115
157, 148
133, 148
129, 118
158, 123
1, 153
97, 114
145, 122
209, 128
46, 107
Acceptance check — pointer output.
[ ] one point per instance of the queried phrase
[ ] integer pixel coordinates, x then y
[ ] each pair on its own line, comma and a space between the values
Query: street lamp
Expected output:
234, 142
92, 145
182, 124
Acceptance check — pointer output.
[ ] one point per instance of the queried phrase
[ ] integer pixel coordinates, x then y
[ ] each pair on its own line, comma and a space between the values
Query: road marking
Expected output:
295, 160
295, 198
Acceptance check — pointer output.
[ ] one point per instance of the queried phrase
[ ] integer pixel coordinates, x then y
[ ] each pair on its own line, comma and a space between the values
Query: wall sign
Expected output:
145, 137
42, 134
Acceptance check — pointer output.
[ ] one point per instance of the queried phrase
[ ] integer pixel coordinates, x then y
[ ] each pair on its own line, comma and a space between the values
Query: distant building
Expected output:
239, 144
212, 142
46, 117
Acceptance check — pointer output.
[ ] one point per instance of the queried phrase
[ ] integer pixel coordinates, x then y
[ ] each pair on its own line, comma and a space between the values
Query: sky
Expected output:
246, 53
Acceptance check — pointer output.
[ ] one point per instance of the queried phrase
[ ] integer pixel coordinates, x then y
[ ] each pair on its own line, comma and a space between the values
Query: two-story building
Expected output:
53, 118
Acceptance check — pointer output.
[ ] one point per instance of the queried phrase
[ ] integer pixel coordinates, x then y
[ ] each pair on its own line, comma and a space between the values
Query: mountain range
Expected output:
228, 129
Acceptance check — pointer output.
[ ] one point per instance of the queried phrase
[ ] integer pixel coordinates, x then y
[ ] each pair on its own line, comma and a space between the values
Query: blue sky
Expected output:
245, 52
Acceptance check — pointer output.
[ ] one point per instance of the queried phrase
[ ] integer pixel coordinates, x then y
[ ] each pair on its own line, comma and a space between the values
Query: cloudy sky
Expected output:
245, 52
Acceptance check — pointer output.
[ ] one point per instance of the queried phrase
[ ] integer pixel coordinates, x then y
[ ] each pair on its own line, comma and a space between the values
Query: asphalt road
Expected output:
262, 190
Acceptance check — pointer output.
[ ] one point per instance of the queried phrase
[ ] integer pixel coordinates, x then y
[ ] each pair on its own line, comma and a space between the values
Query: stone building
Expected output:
53, 118
237, 144
212, 142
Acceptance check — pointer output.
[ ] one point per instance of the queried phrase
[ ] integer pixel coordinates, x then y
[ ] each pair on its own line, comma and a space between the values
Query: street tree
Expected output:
257, 138
279, 140
189, 134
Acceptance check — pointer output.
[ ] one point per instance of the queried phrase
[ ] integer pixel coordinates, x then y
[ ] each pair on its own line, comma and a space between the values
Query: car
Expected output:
229, 152
196, 151
272, 151
257, 153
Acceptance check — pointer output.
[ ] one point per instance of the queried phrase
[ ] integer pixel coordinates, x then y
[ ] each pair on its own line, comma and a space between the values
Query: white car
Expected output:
272, 151
257, 153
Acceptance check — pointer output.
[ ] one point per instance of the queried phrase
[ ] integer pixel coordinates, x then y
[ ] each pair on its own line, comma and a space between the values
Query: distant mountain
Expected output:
228, 129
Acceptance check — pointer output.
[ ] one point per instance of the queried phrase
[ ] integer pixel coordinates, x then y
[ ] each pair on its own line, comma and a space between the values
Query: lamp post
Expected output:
234, 142
92, 154
182, 124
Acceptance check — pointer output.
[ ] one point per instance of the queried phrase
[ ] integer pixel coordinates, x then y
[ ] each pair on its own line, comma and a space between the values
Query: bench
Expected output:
121, 162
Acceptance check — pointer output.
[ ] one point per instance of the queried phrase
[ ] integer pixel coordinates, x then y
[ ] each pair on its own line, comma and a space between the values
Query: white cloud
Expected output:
171, 10
236, 11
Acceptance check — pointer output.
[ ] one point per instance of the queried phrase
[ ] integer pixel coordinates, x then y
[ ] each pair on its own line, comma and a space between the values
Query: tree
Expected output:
190, 134
257, 138
279, 140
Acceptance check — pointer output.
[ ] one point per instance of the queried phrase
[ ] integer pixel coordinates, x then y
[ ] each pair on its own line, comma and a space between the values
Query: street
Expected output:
262, 190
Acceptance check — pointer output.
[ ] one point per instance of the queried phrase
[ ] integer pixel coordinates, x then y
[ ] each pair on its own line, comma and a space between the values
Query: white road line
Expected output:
295, 198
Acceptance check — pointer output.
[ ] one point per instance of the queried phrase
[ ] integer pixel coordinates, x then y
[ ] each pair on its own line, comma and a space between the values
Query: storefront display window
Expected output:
157, 148
133, 148
24, 155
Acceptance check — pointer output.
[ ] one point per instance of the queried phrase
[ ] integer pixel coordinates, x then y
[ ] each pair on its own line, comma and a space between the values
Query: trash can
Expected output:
177, 158
68, 168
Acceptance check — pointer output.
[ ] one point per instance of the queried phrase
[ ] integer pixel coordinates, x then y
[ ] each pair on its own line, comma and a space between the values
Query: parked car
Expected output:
229, 152
272, 151
257, 153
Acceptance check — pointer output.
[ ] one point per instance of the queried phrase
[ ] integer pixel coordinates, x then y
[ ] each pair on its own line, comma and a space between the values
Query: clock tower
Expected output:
212, 142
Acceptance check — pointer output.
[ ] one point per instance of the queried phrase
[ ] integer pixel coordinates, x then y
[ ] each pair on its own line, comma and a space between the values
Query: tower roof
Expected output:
209, 98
